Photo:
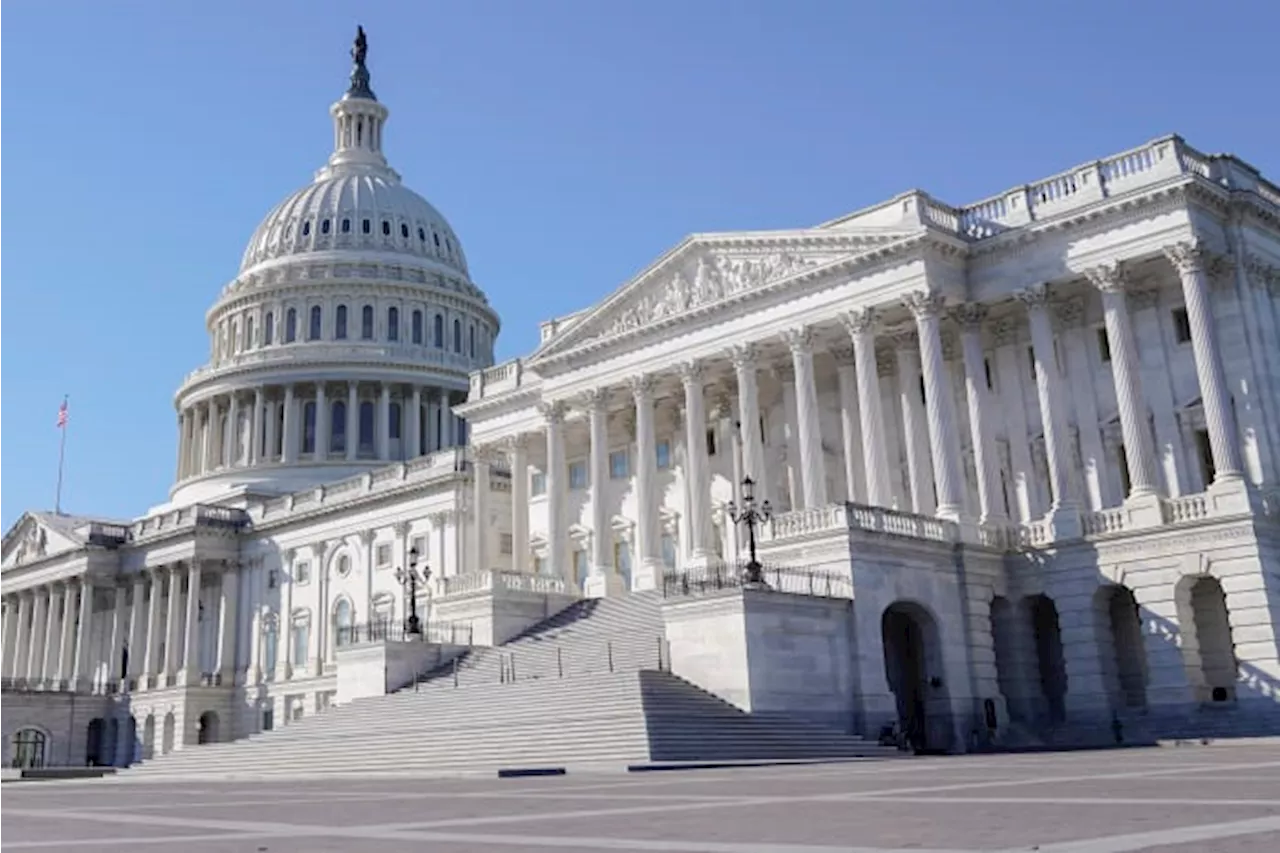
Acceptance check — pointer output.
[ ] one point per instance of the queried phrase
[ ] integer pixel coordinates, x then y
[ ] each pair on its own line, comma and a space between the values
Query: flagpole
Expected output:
62, 454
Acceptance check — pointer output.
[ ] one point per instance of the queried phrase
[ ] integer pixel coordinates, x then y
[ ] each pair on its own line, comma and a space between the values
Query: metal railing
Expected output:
733, 575
389, 630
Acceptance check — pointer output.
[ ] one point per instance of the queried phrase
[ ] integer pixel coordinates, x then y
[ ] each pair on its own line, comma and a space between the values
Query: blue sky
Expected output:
569, 142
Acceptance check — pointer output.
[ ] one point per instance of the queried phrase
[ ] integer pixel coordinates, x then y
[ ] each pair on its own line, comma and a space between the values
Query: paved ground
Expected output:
1219, 799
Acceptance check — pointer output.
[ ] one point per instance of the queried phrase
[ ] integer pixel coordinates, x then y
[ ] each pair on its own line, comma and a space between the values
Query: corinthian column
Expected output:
481, 461
970, 317
1049, 387
321, 427
744, 366
808, 423
850, 426
557, 533
939, 404
1125, 373
861, 327
1190, 259
518, 452
649, 561
699, 481
601, 581
914, 423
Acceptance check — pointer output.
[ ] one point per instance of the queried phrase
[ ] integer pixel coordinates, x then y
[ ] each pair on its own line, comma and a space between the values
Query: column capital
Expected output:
859, 321
843, 354
924, 304
641, 387
367, 536
743, 356
317, 549
1035, 297
401, 528
486, 454
514, 443
1108, 278
970, 315
905, 340
594, 399
1187, 256
288, 554
691, 373
552, 411
799, 340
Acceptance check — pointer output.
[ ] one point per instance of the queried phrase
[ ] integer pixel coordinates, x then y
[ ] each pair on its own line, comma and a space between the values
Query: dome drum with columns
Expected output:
346, 338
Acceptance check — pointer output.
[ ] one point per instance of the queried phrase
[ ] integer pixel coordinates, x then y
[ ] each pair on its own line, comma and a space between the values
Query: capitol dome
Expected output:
347, 336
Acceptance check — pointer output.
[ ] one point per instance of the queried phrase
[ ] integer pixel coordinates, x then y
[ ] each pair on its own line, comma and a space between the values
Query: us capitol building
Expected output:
1037, 437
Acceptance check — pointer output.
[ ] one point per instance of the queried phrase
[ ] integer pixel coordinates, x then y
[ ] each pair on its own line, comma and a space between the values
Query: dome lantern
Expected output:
358, 120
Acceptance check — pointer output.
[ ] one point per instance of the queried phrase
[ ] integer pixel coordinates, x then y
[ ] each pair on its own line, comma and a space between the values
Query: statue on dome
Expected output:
361, 47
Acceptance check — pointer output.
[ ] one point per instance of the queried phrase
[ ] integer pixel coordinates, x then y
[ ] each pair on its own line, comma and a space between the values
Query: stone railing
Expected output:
501, 579
802, 522
1184, 508
1104, 521
196, 515
1034, 534
494, 380
878, 519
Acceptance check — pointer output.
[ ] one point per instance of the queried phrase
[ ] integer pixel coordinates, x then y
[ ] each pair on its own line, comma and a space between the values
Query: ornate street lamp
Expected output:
409, 579
748, 514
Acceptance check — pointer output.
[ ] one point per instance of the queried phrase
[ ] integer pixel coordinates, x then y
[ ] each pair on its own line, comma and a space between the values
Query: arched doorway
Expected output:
93, 742
1004, 639
208, 728
149, 737
342, 623
1120, 646
167, 734
110, 742
131, 748
913, 668
1050, 664
1211, 644
28, 748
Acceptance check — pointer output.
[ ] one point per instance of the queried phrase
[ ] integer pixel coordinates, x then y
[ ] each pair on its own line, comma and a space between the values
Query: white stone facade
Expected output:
1037, 437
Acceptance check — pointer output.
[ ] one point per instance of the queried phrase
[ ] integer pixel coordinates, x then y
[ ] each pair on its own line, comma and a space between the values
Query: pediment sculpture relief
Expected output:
34, 544
711, 280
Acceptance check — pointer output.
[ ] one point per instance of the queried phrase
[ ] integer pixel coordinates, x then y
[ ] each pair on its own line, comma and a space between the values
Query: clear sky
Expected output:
569, 142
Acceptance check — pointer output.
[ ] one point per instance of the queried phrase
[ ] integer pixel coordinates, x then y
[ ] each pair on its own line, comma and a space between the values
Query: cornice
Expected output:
454, 378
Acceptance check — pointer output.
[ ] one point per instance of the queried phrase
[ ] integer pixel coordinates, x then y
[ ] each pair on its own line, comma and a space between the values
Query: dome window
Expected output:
324, 226
340, 323
346, 226
422, 235
316, 326
437, 332
306, 228
366, 322
437, 239
393, 324
386, 228
457, 336
290, 326
404, 231
417, 327
269, 330
366, 226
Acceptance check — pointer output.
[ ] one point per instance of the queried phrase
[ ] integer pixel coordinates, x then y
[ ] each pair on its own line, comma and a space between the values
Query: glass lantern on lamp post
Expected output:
752, 516
409, 578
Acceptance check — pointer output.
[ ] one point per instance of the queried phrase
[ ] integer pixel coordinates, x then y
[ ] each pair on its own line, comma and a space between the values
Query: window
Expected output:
393, 428
338, 427
579, 559
272, 579
1204, 451
437, 332
270, 649
386, 228
1123, 459
343, 566
457, 336
248, 332
346, 226
986, 369
663, 453
1031, 360
290, 326
422, 235
1181, 326
366, 322
668, 550
301, 639
340, 323
417, 328
1104, 345
471, 341
577, 475
436, 237
504, 544
365, 444
342, 619
269, 330
324, 226
404, 231
922, 399
314, 329
537, 484
382, 555
306, 228
393, 323
28, 748
619, 465
366, 227
419, 544
309, 427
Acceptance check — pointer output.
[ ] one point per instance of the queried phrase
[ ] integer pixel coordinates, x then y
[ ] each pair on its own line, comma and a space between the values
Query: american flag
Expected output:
62, 415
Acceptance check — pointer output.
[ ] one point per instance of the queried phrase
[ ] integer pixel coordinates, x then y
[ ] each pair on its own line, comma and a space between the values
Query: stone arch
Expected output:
1121, 651
149, 736
168, 733
1004, 639
207, 728
110, 742
95, 735
1208, 649
29, 747
344, 621
1048, 668
914, 667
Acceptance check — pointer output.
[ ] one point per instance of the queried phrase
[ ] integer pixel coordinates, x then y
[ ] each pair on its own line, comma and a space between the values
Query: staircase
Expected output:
582, 690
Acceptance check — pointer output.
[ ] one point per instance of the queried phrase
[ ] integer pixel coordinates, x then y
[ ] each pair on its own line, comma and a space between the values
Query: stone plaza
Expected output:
1176, 800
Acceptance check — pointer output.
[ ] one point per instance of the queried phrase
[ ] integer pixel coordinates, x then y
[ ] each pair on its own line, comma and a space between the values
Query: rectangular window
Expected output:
1122, 458
1204, 450
619, 465
663, 453
986, 367
301, 635
1181, 325
382, 555
577, 475
504, 544
668, 550
419, 544
1104, 345
711, 441
302, 572
537, 484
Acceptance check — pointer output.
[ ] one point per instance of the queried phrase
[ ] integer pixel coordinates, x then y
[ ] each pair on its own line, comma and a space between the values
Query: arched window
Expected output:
366, 226
366, 322
394, 426
306, 228
270, 646
314, 329
422, 236
342, 617
291, 326
309, 427
386, 228
393, 324
338, 427
346, 226
437, 332
248, 332
300, 637
324, 226
417, 327
269, 329
404, 231
28, 748
366, 429
471, 340
340, 323
457, 335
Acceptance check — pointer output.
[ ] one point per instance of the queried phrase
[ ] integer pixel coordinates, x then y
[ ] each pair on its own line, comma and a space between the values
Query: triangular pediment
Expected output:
38, 535
707, 270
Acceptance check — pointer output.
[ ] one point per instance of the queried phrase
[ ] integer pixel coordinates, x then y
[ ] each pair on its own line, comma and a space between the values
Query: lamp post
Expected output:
409, 579
747, 513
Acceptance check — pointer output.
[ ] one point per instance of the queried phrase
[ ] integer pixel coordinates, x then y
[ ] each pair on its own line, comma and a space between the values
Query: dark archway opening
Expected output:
1050, 664
93, 742
208, 728
1124, 656
913, 668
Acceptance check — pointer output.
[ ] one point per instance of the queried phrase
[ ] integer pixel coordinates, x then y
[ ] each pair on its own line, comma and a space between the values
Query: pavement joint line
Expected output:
130, 843
1133, 841
1075, 801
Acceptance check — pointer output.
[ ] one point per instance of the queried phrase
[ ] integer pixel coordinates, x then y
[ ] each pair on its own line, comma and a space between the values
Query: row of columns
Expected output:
211, 438
863, 426
163, 645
